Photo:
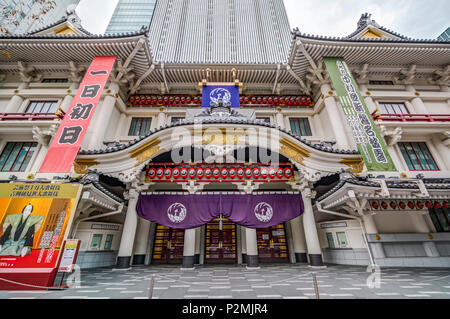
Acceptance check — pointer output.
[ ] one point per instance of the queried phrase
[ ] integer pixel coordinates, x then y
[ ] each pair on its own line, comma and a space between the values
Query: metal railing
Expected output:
411, 117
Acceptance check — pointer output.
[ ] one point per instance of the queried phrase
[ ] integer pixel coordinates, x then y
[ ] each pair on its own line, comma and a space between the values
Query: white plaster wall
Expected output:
394, 222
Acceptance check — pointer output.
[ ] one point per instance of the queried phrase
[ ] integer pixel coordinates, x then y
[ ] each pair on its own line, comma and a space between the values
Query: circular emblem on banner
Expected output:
176, 212
220, 93
263, 212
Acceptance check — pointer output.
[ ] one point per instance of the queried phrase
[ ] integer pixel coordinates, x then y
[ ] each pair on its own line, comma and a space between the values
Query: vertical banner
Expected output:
34, 221
368, 139
68, 139
228, 93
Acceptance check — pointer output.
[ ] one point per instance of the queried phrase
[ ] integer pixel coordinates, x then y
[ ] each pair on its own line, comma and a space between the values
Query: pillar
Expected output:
161, 119
309, 226
121, 126
128, 233
280, 120
102, 118
335, 119
444, 151
189, 249
243, 245
141, 241
371, 228
14, 104
298, 240
252, 248
198, 232
417, 102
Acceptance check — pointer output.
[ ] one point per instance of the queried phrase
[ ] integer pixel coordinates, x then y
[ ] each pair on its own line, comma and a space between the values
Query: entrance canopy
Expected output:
194, 210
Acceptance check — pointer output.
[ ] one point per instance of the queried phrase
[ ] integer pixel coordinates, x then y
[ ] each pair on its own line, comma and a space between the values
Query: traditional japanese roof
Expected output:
368, 28
212, 120
68, 24
391, 183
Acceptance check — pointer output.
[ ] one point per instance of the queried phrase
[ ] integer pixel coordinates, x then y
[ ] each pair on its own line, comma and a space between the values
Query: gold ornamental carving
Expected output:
146, 151
293, 151
81, 166
356, 164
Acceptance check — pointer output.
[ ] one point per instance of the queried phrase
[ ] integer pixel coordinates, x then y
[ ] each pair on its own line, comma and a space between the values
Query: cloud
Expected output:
413, 18
95, 14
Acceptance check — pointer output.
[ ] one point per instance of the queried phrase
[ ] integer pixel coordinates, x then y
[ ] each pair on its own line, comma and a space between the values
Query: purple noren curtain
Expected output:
193, 210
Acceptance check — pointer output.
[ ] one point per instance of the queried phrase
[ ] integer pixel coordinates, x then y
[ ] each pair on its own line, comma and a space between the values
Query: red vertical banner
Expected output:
67, 141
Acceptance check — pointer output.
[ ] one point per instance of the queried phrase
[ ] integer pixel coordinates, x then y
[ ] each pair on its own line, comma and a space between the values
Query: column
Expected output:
309, 226
371, 228
67, 101
243, 245
161, 118
102, 118
128, 233
298, 239
121, 127
252, 248
198, 231
280, 120
417, 102
189, 249
335, 119
141, 241
444, 151
14, 104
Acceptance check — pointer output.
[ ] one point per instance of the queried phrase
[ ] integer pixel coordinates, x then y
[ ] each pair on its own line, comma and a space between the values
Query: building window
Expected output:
55, 80
300, 126
140, 126
330, 240
16, 156
341, 239
175, 119
108, 242
417, 156
263, 119
96, 241
41, 107
441, 219
393, 108
381, 82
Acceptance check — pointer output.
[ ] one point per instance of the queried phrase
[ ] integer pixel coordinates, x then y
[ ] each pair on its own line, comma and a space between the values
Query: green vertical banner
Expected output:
370, 144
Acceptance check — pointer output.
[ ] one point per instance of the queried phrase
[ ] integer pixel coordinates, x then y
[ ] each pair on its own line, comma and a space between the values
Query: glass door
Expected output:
220, 244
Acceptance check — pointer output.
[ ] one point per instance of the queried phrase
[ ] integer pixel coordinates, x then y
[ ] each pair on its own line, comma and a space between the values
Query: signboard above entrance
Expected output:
214, 93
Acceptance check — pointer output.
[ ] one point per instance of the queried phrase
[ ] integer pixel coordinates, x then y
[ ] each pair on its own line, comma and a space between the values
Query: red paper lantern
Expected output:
256, 172
232, 172
151, 173
280, 172
411, 205
402, 205
184, 173
437, 205
287, 172
419, 205
160, 172
208, 172
200, 172
374, 205
192, 172
446, 205
272, 172
393, 205
248, 172
176, 172
240, 173
216, 172
167, 173
264, 172
224, 172
428, 205
384, 205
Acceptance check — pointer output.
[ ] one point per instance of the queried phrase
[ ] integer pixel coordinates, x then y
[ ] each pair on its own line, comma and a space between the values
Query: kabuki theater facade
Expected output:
222, 138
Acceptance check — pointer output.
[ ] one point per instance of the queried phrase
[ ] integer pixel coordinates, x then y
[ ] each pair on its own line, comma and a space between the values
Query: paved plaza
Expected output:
282, 281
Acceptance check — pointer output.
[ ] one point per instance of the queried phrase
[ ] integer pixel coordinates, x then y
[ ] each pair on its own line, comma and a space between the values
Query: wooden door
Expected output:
272, 245
220, 245
168, 245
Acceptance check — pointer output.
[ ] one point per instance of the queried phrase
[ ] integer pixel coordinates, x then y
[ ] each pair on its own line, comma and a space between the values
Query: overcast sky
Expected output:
413, 18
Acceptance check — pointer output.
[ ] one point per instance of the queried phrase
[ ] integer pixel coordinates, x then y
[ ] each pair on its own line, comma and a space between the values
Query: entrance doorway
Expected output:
168, 245
272, 245
220, 245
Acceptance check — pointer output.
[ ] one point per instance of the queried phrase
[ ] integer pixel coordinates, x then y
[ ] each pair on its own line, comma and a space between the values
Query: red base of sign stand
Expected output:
27, 281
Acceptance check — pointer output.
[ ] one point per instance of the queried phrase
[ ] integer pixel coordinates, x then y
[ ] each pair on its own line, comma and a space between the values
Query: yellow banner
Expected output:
41, 190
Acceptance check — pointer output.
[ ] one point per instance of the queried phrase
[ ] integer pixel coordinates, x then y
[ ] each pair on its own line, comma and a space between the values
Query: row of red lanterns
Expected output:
400, 205
224, 173
294, 100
